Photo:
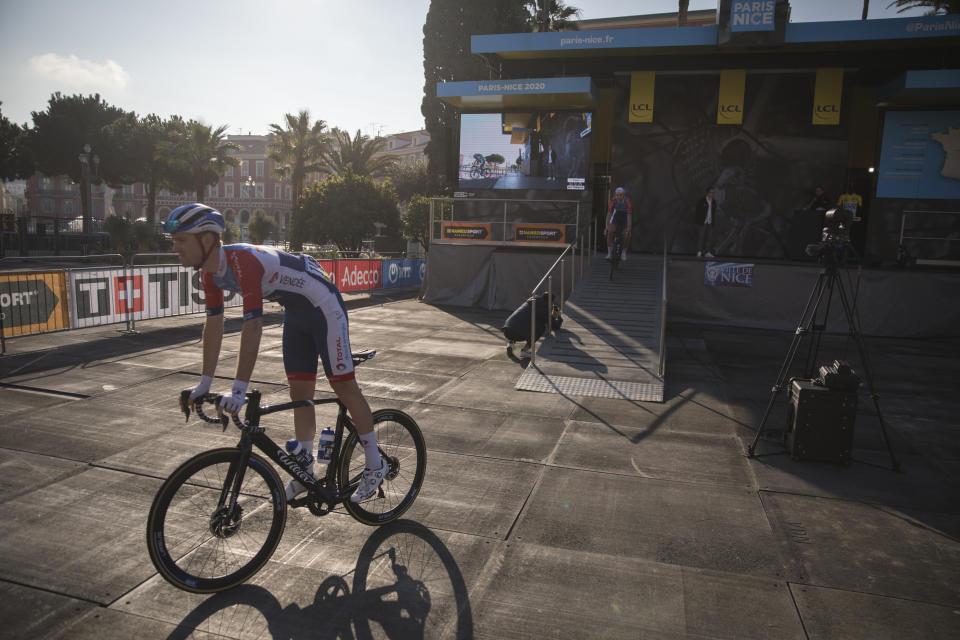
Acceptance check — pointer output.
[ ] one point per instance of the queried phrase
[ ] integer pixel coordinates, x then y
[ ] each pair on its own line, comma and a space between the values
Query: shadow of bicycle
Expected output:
406, 584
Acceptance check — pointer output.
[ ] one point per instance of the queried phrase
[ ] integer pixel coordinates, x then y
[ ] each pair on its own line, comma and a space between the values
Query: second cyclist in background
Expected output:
619, 218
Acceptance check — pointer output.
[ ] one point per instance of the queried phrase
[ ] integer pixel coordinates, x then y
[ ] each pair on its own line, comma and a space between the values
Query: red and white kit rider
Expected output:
315, 317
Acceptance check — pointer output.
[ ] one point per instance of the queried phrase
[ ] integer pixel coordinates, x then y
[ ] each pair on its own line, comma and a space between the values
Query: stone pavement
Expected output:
541, 516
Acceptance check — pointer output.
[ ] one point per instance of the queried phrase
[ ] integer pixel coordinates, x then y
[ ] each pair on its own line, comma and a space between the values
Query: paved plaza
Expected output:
543, 515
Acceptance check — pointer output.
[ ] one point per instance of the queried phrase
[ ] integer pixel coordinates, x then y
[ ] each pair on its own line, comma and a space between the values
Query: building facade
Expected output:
243, 191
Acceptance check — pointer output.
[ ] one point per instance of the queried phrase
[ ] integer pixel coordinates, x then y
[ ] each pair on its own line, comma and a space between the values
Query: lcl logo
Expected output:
828, 108
641, 107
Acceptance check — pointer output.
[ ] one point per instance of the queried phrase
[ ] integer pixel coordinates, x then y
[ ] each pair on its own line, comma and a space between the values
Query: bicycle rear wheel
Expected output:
206, 532
401, 444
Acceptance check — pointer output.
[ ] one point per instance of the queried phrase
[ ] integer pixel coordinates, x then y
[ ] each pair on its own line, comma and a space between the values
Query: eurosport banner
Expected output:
525, 232
403, 273
357, 275
107, 296
33, 302
465, 230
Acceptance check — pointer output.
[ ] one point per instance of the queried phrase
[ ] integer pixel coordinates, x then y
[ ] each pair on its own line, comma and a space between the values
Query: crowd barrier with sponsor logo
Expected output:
42, 301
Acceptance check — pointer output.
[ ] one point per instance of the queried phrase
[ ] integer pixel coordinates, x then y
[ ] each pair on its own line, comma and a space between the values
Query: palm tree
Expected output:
356, 154
936, 6
552, 15
206, 153
297, 149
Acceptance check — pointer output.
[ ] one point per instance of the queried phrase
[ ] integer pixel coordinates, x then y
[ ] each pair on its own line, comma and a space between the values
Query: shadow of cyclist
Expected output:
396, 572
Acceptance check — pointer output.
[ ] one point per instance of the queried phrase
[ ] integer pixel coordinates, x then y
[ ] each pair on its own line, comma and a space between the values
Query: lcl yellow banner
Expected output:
641, 96
730, 102
826, 96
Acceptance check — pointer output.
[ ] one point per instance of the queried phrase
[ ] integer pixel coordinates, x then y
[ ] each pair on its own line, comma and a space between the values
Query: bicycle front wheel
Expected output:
401, 445
213, 525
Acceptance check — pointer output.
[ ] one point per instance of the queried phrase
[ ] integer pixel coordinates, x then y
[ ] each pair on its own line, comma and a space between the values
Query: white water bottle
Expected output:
325, 446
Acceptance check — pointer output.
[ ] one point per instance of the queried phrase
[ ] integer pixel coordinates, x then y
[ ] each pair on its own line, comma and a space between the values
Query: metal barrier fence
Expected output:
46, 300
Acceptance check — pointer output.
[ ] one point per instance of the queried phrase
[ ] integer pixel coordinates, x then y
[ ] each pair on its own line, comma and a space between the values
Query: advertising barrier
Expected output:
403, 273
106, 296
465, 231
357, 275
39, 302
33, 303
526, 232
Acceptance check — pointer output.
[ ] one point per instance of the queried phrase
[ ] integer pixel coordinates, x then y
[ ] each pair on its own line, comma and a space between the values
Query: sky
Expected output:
356, 64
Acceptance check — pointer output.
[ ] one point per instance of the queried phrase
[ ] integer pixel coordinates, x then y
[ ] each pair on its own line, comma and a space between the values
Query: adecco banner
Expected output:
106, 296
357, 275
33, 303
403, 273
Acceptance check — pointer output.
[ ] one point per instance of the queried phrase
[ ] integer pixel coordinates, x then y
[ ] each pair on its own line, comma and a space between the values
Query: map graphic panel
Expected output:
920, 157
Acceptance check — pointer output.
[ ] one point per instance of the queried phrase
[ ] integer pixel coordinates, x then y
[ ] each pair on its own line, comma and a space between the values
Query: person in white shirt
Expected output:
704, 217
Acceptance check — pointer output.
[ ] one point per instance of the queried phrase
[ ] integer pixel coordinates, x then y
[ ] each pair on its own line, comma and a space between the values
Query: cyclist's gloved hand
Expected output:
195, 393
233, 402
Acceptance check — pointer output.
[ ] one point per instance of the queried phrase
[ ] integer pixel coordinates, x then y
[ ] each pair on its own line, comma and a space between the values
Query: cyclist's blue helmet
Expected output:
194, 218
619, 191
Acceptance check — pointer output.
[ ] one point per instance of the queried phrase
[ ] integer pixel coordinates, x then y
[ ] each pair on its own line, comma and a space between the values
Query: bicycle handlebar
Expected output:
213, 398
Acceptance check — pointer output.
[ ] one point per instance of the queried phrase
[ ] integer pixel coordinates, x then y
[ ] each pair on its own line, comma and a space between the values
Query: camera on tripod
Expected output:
834, 237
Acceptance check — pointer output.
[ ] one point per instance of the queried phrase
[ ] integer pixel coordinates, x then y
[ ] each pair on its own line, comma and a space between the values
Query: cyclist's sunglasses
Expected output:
169, 226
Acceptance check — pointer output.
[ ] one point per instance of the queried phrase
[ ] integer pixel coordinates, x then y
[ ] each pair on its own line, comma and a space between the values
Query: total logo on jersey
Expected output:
340, 365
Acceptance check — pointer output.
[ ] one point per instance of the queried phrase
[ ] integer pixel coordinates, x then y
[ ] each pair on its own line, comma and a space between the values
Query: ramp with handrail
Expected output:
611, 343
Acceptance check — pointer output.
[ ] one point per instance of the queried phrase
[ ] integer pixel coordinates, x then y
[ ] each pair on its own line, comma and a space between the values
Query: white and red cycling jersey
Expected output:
261, 273
315, 323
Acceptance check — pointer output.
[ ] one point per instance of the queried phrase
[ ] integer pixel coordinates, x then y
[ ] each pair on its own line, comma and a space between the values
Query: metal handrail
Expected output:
663, 314
548, 277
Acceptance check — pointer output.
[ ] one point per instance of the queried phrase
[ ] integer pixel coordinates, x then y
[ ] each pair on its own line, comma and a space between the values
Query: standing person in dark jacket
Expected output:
517, 326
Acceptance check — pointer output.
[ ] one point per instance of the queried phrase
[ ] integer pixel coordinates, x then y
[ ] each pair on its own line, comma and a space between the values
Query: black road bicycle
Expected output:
219, 516
617, 251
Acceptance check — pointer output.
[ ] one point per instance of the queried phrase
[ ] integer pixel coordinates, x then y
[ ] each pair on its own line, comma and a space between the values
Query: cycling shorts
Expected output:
619, 220
316, 333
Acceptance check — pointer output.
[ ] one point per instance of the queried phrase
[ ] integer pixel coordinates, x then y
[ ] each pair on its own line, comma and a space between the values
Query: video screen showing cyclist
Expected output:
619, 218
315, 328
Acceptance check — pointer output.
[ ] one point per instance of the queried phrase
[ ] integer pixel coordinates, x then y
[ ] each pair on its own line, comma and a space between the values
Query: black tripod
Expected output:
828, 281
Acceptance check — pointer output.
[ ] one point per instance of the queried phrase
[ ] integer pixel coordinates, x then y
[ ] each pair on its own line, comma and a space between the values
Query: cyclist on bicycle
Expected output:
619, 218
479, 161
315, 327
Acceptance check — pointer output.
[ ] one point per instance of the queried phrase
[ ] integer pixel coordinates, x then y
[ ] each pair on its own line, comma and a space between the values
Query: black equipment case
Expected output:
820, 422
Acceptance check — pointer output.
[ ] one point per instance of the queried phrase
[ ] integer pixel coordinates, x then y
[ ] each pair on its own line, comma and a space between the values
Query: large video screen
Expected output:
545, 150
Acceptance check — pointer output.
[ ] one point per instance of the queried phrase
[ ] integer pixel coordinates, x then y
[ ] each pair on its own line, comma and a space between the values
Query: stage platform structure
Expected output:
495, 254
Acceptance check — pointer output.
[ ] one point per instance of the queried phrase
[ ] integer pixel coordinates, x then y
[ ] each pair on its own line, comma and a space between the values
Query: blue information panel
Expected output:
920, 156
403, 273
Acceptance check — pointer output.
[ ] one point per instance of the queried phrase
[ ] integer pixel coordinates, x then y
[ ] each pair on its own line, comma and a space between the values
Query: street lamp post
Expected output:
89, 165
250, 184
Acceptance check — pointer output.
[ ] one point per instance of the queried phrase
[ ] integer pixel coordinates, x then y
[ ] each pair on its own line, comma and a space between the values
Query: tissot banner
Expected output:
730, 99
641, 96
106, 296
466, 231
826, 96
403, 273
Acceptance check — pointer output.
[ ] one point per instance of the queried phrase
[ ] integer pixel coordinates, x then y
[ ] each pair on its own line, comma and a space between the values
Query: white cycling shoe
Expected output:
372, 478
